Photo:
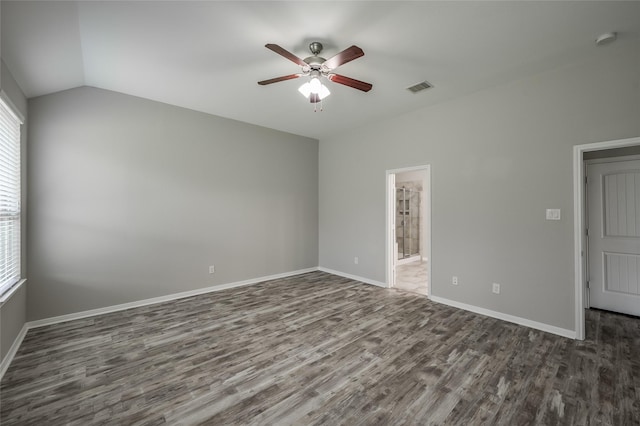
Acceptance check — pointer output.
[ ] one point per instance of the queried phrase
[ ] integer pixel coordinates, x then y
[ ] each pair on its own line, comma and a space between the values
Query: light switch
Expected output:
553, 214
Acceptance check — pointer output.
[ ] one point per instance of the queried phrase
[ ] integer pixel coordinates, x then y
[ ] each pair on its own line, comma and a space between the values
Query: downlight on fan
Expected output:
316, 67
313, 86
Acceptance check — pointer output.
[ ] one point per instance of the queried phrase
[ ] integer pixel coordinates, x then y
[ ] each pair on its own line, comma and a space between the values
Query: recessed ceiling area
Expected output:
208, 56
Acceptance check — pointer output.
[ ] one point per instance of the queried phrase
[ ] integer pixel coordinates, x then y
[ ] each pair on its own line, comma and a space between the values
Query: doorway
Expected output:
581, 271
408, 242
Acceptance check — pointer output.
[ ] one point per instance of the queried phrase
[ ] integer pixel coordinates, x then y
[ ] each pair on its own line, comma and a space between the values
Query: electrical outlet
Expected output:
212, 269
454, 280
496, 288
355, 260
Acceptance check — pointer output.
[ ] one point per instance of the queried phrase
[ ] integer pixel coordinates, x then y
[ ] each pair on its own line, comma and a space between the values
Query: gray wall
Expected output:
498, 159
13, 312
13, 316
133, 199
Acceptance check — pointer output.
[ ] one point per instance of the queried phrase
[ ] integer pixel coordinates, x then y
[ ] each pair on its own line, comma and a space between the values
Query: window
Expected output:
9, 197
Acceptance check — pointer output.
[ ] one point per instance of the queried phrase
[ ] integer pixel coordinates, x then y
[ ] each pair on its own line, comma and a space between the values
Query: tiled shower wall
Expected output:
411, 216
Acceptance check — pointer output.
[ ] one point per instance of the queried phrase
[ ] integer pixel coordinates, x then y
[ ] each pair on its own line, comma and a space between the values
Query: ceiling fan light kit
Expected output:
317, 67
314, 86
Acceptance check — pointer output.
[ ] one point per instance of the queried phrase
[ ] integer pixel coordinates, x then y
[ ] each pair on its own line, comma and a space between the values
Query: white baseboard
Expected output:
353, 277
161, 299
405, 260
506, 317
13, 350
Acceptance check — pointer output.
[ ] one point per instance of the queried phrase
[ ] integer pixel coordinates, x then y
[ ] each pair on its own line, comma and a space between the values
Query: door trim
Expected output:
390, 210
612, 159
579, 223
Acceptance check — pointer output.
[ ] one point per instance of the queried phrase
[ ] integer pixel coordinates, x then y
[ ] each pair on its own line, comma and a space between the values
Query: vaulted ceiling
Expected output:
208, 56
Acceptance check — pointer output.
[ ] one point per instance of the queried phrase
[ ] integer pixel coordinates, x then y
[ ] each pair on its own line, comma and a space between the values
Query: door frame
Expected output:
579, 225
390, 216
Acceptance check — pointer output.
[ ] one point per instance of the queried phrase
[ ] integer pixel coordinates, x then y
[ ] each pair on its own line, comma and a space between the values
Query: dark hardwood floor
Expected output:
320, 349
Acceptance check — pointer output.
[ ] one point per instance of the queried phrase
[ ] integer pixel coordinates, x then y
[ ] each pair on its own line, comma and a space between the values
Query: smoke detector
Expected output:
606, 38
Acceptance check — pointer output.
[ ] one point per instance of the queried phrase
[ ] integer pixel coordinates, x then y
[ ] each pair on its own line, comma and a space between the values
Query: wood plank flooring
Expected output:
317, 349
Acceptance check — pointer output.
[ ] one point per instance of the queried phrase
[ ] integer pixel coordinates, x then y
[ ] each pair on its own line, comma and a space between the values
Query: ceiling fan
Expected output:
316, 67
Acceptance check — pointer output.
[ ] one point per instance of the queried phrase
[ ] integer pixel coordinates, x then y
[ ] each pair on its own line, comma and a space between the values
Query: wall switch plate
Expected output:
454, 280
212, 269
496, 288
553, 214
355, 260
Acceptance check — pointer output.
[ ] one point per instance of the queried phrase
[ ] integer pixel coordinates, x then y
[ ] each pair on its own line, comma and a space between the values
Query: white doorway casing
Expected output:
392, 246
579, 223
390, 252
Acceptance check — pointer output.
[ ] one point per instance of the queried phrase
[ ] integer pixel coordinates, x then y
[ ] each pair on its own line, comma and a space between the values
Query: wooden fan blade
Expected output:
351, 82
282, 52
347, 55
277, 79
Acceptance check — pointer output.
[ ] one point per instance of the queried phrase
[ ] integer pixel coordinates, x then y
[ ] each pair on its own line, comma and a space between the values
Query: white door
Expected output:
613, 218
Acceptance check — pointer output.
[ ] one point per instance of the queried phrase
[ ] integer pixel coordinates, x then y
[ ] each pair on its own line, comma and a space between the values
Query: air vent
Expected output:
419, 87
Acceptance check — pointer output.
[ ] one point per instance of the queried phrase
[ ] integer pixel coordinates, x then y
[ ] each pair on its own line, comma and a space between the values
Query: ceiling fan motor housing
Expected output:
315, 62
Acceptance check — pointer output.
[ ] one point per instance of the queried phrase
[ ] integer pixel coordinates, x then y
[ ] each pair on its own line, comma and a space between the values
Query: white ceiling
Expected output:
208, 56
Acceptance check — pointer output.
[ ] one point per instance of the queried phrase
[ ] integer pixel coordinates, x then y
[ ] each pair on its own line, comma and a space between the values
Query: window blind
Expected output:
9, 197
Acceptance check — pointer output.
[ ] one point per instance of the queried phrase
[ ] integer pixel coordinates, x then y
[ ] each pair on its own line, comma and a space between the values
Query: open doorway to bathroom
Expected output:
409, 229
